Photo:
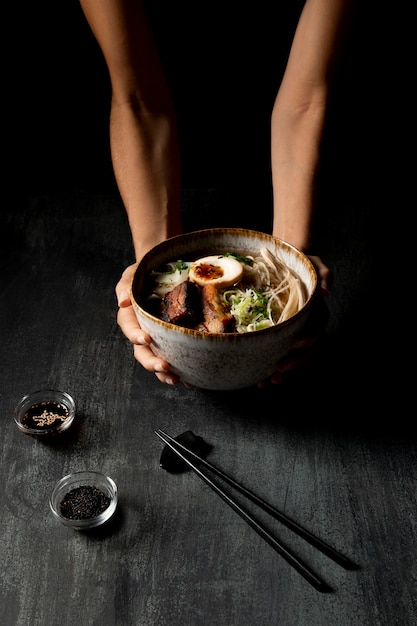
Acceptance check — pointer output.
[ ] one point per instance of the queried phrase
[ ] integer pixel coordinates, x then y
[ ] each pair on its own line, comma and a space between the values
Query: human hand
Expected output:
129, 325
305, 344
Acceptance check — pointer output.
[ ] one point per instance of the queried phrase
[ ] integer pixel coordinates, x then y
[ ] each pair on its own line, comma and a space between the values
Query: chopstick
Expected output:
317, 582
333, 554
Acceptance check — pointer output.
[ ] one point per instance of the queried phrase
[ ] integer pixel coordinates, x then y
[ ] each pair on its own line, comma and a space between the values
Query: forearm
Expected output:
143, 132
146, 164
299, 112
295, 156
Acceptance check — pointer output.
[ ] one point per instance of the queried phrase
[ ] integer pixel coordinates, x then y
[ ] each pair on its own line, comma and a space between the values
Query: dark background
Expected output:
224, 70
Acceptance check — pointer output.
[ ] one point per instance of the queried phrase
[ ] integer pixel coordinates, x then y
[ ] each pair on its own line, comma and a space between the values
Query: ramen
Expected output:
227, 292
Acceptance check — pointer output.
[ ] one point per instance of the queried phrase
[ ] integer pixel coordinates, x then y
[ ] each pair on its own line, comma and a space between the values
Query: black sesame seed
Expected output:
84, 502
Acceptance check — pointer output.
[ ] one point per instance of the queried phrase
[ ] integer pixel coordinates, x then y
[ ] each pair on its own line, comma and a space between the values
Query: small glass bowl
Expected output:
45, 412
83, 494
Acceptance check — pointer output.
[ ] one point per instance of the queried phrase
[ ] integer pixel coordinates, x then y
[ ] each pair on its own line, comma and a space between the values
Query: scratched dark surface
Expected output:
334, 447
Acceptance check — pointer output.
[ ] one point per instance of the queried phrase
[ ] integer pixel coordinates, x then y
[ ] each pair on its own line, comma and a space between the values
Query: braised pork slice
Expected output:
181, 305
216, 315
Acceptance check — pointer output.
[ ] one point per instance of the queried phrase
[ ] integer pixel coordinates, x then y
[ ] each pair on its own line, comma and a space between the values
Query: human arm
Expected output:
299, 113
144, 146
297, 124
143, 132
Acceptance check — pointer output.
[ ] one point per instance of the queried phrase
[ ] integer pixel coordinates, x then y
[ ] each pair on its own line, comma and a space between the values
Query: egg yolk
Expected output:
218, 270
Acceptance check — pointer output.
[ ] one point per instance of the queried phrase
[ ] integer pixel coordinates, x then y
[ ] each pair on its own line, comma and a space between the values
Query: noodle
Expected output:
270, 279
268, 293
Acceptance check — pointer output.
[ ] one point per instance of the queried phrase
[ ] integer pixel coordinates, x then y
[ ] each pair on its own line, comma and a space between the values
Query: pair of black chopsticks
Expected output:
186, 454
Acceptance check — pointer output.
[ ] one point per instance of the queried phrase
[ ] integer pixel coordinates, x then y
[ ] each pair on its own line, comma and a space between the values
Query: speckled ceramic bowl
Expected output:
229, 360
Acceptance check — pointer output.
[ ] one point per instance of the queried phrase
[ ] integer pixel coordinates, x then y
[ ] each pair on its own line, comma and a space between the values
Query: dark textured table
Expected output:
318, 448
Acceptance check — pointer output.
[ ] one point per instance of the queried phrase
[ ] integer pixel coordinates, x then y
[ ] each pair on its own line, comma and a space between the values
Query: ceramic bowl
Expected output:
84, 500
225, 361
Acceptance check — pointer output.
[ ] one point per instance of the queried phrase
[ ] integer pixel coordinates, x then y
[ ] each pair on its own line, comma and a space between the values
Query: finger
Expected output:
129, 325
123, 298
324, 275
276, 379
148, 360
123, 286
304, 342
152, 363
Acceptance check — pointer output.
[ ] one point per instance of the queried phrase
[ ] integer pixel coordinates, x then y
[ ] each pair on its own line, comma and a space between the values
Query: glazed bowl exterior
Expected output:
226, 361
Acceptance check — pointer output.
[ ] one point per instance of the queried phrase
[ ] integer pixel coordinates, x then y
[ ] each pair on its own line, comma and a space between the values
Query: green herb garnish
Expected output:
180, 266
239, 257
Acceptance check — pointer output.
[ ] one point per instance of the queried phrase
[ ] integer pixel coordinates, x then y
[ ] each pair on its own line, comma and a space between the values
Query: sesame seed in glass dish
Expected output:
84, 500
45, 412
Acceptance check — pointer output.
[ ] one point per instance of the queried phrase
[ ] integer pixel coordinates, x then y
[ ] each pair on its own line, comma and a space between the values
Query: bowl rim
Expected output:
212, 232
93, 478
44, 395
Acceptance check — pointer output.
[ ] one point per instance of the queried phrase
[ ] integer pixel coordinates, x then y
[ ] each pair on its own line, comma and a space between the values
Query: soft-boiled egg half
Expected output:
222, 271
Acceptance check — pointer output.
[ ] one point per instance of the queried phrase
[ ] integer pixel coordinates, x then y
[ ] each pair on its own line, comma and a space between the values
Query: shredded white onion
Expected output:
280, 285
